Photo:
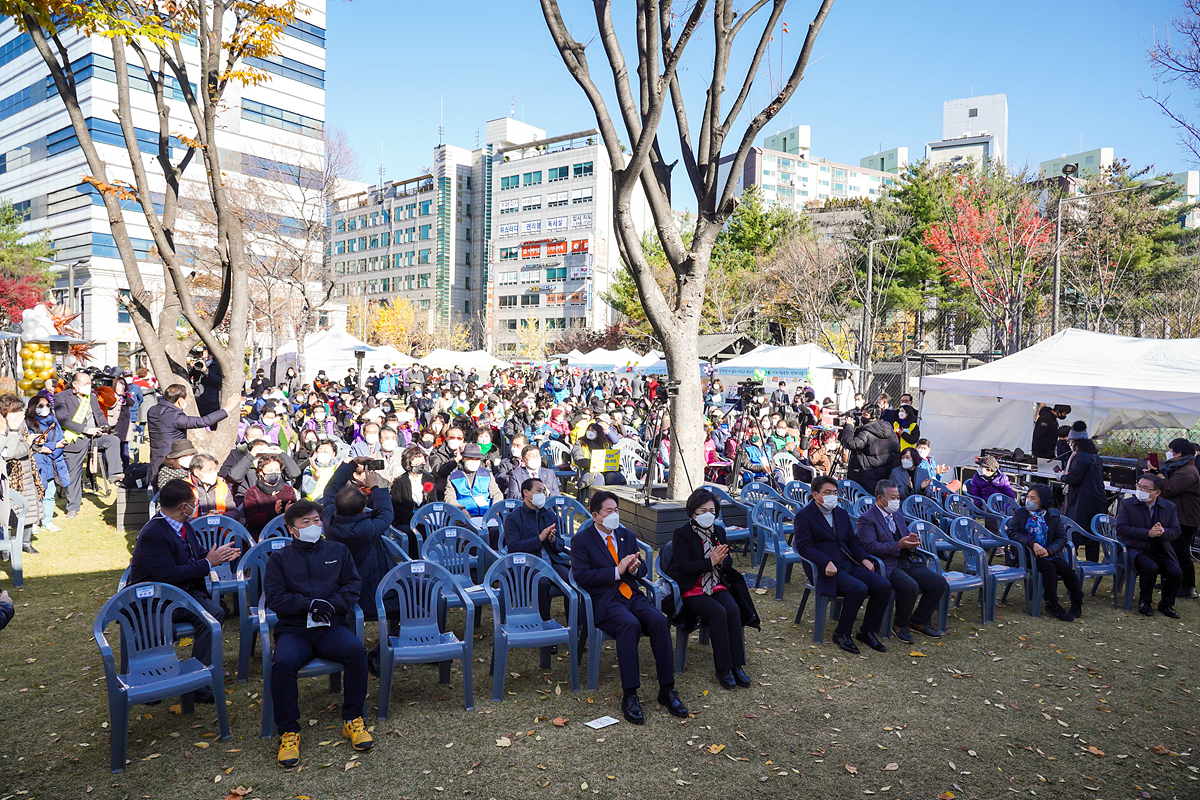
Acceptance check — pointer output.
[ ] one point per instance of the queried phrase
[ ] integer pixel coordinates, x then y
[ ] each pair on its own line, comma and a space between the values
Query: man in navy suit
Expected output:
825, 536
169, 551
883, 533
1147, 524
606, 563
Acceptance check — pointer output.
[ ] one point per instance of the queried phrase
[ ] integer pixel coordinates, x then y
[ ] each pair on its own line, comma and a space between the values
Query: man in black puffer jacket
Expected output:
874, 449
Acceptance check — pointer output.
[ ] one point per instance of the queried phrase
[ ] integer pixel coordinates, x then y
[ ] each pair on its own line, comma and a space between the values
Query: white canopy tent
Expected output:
386, 354
1111, 382
331, 350
794, 364
480, 359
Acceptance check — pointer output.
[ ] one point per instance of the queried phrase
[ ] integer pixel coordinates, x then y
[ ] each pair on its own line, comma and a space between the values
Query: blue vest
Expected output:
475, 499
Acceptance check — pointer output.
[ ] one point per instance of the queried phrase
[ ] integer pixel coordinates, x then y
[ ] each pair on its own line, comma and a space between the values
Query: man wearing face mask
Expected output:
883, 533
471, 487
80, 415
166, 423
368, 446
531, 467
169, 551
514, 459
1147, 524
211, 493
606, 563
312, 587
446, 458
824, 534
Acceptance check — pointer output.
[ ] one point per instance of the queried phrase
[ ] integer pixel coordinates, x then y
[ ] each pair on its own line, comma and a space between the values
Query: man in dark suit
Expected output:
824, 534
606, 563
169, 551
883, 533
81, 417
1147, 524
166, 424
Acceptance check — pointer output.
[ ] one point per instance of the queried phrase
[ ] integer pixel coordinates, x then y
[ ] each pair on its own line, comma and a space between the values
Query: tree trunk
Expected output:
687, 415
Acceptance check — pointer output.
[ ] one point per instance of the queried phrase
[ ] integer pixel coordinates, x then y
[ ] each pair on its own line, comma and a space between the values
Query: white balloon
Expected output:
70, 361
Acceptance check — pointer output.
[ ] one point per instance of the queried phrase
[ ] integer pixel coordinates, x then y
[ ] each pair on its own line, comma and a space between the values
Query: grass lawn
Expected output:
1100, 708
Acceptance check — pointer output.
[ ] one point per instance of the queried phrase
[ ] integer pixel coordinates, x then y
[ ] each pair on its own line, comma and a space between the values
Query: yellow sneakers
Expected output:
289, 749
357, 734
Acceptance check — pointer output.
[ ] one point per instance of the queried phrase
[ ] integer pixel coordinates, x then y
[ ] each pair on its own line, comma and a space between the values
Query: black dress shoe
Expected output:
1061, 613
740, 677
631, 707
669, 699
844, 641
931, 632
28, 548
1145, 610
871, 641
1169, 611
204, 695
903, 634
725, 677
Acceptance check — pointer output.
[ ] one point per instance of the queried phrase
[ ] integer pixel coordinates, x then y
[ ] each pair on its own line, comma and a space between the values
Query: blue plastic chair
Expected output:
275, 529
517, 620
597, 637
770, 520
493, 520
144, 614
251, 567
558, 458
964, 505
1105, 526
435, 516
858, 507
971, 531
733, 533
421, 588
827, 604
14, 541
213, 530
313, 669
1111, 563
1001, 505
572, 517
849, 491
182, 629
753, 494
798, 492
973, 576
668, 587
465, 555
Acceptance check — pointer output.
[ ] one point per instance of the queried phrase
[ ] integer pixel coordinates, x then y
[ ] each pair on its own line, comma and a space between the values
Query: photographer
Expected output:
873, 447
80, 415
206, 377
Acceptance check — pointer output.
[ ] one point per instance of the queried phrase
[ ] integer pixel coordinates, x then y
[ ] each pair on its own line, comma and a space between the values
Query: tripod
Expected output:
742, 458
655, 442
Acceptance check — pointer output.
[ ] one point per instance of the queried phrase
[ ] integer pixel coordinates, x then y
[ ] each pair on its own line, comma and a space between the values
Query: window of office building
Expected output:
559, 323
509, 253
426, 231
508, 301
582, 195
556, 249
532, 178
531, 299
525, 324
559, 173
423, 280
374, 242
579, 246
556, 274
509, 206
508, 278
531, 226
531, 203
581, 221
423, 257
557, 199
426, 207
510, 182
556, 224
339, 226
531, 251
504, 231
583, 170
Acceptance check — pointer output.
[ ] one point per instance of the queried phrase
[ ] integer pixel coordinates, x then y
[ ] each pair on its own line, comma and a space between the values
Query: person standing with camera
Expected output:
874, 449
79, 413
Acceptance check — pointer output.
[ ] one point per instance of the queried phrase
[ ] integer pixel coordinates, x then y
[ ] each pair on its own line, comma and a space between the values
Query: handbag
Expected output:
735, 582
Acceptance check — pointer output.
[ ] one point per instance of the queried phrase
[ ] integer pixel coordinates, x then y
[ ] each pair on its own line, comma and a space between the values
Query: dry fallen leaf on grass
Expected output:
891, 766
238, 793
1096, 751
851, 770
560, 722
1163, 750
201, 745
715, 748
946, 796
917, 654
504, 741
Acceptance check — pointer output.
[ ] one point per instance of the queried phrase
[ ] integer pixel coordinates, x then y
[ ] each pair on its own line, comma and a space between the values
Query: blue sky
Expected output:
879, 74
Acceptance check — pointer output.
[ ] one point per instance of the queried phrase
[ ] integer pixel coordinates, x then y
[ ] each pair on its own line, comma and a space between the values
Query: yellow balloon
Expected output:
24, 384
26, 363
32, 347
29, 374
44, 375
25, 352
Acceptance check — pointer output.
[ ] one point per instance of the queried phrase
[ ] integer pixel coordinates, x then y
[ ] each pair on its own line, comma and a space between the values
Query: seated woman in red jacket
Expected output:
269, 496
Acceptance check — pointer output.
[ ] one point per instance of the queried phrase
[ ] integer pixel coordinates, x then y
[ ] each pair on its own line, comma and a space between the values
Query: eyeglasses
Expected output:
455, 438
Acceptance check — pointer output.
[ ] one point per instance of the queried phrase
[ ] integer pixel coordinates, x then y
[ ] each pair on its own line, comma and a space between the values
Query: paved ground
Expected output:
1101, 708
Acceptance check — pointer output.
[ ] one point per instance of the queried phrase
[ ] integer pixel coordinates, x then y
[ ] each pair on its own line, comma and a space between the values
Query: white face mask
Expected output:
612, 521
923, 454
185, 462
902, 416
893, 506
1170, 455
371, 438
388, 446
454, 444
906, 463
310, 534
471, 466
533, 464
706, 519
208, 479
590, 435
43, 411
538, 499
830, 501
1142, 495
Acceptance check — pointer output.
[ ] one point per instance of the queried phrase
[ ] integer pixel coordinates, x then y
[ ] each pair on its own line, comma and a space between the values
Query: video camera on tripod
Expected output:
666, 390
750, 391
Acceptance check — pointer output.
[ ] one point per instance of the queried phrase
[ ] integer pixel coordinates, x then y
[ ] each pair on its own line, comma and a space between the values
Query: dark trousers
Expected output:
627, 621
854, 584
110, 449
909, 580
1149, 566
724, 620
202, 639
1052, 571
1183, 554
544, 587
294, 650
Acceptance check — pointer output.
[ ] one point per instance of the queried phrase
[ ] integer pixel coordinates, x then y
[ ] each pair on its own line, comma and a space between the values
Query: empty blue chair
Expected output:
798, 492
275, 529
313, 669
597, 637
493, 522
849, 491
250, 573
572, 515
214, 530
970, 531
973, 576
435, 516
517, 620
733, 533
751, 495
466, 556
558, 458
1002, 504
1104, 525
938, 491
771, 521
144, 613
420, 588
963, 505
1110, 565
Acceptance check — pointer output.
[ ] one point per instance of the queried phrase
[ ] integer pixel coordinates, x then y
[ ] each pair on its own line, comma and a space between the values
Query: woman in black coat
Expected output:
699, 557
1038, 527
1085, 481
410, 491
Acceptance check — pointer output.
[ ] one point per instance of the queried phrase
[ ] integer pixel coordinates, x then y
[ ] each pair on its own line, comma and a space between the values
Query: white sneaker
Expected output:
50, 526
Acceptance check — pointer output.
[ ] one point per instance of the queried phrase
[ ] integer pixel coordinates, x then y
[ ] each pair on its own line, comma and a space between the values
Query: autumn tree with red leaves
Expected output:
24, 280
994, 242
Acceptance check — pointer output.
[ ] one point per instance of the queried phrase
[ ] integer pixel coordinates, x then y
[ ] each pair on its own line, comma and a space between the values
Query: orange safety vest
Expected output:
220, 498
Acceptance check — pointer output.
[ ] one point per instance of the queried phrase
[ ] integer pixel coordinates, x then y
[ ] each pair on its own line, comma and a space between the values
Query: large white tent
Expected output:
793, 364
331, 350
480, 359
1111, 382
604, 360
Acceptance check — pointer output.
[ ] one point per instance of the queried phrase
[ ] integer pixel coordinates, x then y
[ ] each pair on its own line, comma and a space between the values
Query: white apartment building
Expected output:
268, 130
893, 160
973, 129
1089, 163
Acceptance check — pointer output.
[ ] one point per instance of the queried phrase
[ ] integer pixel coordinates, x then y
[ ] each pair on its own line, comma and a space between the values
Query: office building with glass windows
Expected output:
272, 130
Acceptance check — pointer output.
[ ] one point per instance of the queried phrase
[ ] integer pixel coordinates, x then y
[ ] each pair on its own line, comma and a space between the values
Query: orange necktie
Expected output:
626, 592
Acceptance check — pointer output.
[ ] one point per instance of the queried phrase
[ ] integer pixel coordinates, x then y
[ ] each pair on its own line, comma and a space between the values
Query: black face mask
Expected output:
272, 479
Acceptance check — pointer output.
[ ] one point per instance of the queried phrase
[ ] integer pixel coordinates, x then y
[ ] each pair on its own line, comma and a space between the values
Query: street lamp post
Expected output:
82, 262
1055, 303
864, 354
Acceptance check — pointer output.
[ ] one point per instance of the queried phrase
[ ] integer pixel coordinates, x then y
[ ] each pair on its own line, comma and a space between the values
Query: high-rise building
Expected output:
1089, 163
269, 130
973, 129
